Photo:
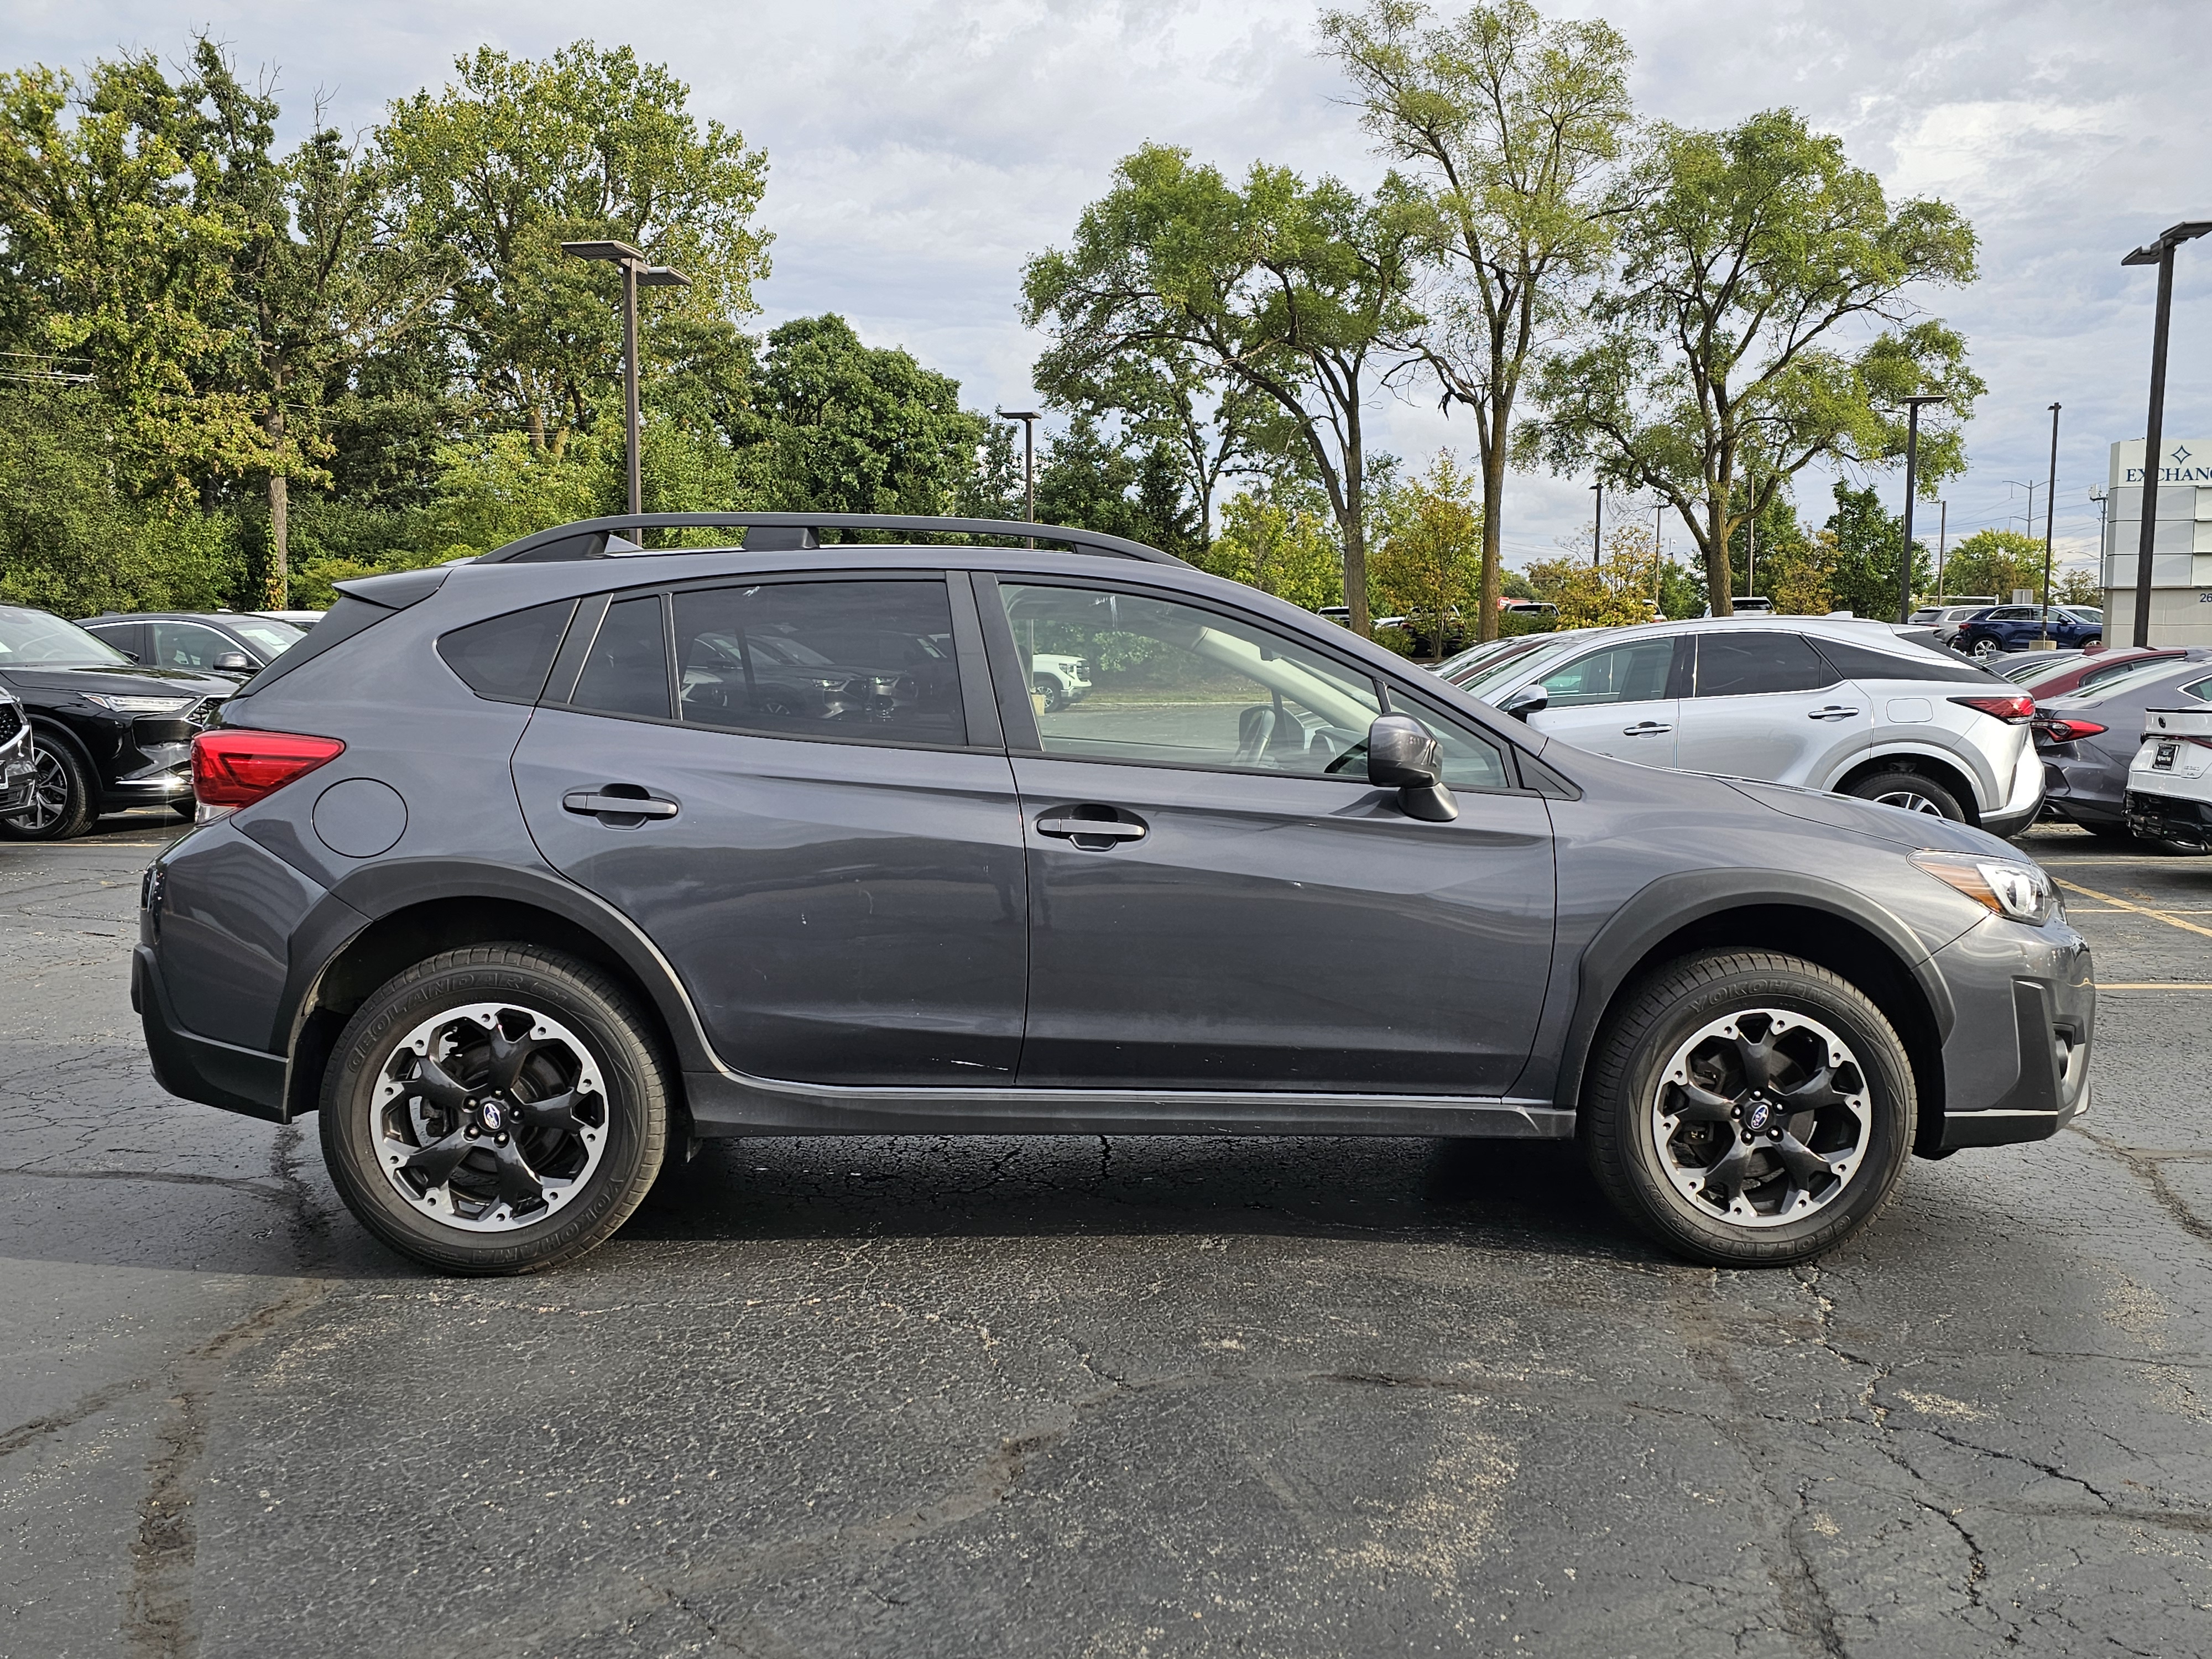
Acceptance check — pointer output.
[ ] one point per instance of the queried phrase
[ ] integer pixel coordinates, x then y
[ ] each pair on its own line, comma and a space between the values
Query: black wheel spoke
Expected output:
1731, 1174
1697, 1105
1805, 1165
1759, 1058
436, 1085
436, 1161
508, 1057
1815, 1092
518, 1182
556, 1112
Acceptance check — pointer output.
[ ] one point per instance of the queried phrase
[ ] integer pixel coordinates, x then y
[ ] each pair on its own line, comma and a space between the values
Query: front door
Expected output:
1763, 703
1620, 700
835, 872
1220, 900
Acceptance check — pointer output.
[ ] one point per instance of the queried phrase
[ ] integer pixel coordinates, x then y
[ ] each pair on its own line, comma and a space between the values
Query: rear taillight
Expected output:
2054, 729
2015, 710
234, 767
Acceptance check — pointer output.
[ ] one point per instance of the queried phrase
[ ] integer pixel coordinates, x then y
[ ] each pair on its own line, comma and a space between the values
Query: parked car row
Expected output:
108, 709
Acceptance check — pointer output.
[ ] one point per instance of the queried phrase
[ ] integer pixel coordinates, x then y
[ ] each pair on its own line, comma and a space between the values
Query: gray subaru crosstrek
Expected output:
527, 872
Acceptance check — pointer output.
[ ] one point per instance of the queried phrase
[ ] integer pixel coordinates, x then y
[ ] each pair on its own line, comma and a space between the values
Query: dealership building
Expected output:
2181, 551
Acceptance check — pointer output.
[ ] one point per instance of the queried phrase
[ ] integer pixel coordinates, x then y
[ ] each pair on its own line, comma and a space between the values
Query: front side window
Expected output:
1633, 671
188, 645
1174, 684
848, 659
1734, 664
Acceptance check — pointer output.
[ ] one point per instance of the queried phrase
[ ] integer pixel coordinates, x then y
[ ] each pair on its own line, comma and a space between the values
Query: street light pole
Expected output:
1942, 544
2159, 253
1911, 481
1597, 527
2050, 504
636, 272
1029, 419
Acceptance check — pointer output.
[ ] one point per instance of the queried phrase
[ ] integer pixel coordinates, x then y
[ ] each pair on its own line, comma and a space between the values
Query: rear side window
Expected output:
507, 658
867, 659
1857, 662
1733, 664
626, 671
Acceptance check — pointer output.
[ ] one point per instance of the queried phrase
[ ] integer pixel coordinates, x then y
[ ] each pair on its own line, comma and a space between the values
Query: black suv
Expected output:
109, 734
525, 871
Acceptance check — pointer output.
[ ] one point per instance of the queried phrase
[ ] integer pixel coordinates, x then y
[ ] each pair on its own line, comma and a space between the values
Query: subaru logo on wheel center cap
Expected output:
1756, 1118
491, 1114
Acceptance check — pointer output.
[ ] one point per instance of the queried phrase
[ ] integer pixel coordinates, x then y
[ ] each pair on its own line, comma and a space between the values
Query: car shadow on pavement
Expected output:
1517, 1195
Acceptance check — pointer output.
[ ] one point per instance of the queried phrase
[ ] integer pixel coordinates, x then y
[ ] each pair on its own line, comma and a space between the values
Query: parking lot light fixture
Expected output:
636, 273
1029, 419
1912, 481
2159, 253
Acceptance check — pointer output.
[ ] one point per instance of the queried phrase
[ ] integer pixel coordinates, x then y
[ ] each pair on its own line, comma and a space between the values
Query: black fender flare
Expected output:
366, 896
1674, 903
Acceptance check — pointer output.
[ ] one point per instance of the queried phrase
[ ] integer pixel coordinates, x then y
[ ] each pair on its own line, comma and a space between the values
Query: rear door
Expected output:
1621, 699
1763, 703
1221, 900
824, 842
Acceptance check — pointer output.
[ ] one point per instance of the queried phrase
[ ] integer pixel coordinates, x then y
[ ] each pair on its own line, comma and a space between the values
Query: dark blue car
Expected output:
2017, 627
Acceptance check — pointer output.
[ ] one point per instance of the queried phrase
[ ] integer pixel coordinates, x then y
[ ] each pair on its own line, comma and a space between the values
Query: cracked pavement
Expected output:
1068, 1397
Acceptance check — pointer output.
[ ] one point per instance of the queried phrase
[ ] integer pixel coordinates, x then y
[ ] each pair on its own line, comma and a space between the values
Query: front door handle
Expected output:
1833, 712
1645, 729
590, 803
1104, 832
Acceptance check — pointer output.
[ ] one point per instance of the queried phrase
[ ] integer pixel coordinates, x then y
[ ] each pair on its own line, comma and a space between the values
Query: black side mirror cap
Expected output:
1401, 755
1529, 699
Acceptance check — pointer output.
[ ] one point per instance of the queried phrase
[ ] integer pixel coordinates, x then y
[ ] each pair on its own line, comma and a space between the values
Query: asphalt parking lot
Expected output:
1071, 1397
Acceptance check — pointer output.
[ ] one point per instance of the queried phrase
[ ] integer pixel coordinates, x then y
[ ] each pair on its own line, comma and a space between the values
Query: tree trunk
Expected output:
1719, 585
280, 562
1355, 545
1493, 524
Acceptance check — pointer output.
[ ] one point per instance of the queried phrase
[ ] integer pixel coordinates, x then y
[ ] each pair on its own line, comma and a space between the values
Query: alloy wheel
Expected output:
1910, 800
50, 793
1762, 1118
489, 1117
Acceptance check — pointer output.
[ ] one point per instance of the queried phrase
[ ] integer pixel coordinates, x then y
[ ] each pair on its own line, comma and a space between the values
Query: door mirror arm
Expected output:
1531, 699
1402, 755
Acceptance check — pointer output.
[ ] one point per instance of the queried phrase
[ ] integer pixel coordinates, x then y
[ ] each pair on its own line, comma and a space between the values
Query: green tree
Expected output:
1429, 566
1996, 562
1618, 592
1510, 121
496, 172
1859, 554
1298, 294
1279, 536
1734, 342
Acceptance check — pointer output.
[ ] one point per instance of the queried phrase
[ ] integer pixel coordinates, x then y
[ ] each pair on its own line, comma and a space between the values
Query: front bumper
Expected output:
18, 775
2016, 1063
2168, 818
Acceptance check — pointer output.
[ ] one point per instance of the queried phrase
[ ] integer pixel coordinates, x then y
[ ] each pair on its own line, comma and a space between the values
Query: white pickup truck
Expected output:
1059, 681
2170, 781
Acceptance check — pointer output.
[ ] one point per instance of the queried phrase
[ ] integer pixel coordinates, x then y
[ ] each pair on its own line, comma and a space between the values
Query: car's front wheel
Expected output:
1748, 1108
61, 798
495, 1110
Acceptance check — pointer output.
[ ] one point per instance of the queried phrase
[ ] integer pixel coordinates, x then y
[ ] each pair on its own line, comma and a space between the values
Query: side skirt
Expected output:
722, 1105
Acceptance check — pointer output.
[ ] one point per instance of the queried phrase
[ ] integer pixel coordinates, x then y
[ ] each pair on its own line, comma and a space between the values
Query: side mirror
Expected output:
1402, 755
1530, 699
234, 662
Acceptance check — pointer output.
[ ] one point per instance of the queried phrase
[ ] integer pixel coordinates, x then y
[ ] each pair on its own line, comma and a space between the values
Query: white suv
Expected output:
1843, 705
1059, 681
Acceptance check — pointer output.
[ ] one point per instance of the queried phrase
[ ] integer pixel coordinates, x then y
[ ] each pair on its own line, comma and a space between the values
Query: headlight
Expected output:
140, 705
2007, 887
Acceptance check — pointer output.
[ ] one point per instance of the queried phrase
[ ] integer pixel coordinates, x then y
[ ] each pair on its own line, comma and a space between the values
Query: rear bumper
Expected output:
2168, 818
2023, 796
198, 1067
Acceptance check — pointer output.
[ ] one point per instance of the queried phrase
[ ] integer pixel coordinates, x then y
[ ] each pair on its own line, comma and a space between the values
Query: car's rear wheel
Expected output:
1985, 649
1748, 1108
1913, 792
495, 1110
61, 799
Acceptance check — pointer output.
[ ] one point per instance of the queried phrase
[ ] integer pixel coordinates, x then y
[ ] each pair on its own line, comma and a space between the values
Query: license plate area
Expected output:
2163, 760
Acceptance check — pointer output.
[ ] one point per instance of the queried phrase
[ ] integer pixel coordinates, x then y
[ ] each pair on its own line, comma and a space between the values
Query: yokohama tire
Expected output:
596, 1020
1648, 1029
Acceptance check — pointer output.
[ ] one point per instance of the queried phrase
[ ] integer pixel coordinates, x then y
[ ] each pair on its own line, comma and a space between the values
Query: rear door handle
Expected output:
1082, 830
591, 803
1832, 713
1645, 729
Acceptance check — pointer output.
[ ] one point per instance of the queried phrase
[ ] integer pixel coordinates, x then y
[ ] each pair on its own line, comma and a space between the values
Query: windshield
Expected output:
1491, 652
1555, 646
2082, 613
270, 638
2143, 674
39, 638
2034, 674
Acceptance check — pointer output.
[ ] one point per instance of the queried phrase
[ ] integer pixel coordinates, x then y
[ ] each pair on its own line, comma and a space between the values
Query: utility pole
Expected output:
1597, 527
2049, 503
2159, 253
1911, 481
636, 273
2031, 488
1658, 520
1029, 419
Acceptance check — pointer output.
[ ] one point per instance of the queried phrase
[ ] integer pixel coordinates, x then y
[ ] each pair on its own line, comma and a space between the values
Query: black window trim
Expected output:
1023, 738
583, 629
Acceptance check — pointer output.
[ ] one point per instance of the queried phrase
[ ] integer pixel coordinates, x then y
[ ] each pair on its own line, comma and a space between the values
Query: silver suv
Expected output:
1843, 705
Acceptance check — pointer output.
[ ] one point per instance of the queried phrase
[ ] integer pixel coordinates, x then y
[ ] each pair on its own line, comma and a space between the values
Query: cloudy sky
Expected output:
920, 152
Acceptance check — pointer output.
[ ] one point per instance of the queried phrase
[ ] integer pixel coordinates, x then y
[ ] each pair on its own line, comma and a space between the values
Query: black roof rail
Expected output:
599, 538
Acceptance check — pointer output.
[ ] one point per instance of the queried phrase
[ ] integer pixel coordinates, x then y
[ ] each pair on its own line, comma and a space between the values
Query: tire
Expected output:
184, 809
62, 799
1985, 649
1863, 1127
426, 1156
1053, 693
1914, 792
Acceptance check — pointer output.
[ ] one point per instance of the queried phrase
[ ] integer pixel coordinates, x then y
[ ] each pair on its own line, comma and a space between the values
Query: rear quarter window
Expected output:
507, 658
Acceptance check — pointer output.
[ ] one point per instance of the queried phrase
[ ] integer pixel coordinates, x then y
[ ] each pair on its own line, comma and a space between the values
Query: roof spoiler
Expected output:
601, 539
